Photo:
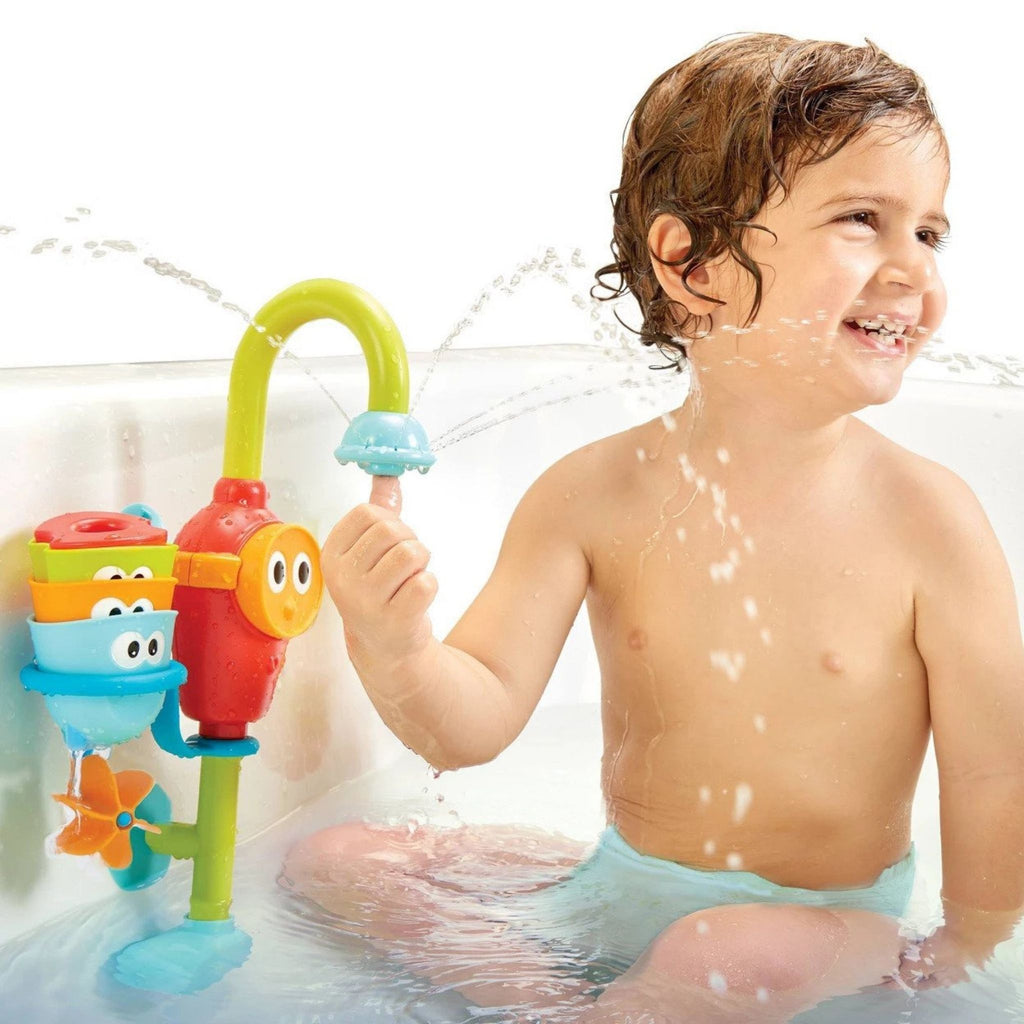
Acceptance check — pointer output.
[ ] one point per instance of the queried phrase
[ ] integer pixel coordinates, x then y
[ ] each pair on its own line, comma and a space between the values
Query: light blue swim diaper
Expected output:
616, 901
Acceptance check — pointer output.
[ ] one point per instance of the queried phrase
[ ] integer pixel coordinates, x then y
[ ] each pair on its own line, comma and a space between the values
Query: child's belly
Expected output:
773, 719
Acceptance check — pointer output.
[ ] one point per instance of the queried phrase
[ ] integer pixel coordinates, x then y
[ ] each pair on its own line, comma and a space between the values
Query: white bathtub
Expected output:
105, 436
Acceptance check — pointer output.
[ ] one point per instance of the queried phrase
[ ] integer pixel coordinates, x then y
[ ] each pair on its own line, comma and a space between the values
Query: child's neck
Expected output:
759, 443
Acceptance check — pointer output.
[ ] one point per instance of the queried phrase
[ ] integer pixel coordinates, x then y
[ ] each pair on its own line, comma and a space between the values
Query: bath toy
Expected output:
105, 812
129, 630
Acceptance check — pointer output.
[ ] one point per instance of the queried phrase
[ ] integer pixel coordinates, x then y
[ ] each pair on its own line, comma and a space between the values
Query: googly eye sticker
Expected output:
277, 572
111, 606
155, 646
302, 572
110, 572
108, 607
128, 650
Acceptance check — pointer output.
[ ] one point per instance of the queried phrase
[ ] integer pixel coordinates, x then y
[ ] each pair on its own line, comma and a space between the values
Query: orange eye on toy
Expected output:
280, 583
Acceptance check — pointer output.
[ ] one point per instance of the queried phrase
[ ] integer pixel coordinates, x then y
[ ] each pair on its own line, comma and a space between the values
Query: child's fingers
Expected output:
386, 492
416, 594
403, 562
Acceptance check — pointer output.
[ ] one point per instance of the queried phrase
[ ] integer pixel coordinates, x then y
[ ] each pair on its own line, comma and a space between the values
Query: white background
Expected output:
417, 150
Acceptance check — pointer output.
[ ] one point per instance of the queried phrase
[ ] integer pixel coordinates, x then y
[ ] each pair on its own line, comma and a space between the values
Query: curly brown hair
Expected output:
712, 138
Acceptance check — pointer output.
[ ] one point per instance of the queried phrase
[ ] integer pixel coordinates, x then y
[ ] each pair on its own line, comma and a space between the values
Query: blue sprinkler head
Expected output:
385, 444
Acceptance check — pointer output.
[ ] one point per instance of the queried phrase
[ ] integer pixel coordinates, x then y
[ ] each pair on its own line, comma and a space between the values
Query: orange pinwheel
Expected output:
105, 812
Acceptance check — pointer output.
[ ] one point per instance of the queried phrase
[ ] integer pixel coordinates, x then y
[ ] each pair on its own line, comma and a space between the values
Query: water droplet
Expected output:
723, 455
760, 723
709, 847
705, 794
733, 861
744, 795
722, 571
717, 983
730, 664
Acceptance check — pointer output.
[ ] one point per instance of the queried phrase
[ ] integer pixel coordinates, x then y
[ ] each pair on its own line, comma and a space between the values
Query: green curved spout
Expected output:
319, 299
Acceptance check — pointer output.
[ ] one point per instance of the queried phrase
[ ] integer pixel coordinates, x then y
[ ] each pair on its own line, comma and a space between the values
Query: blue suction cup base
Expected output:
186, 959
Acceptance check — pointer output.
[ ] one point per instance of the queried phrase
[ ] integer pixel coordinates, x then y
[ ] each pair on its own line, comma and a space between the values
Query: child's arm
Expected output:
968, 633
463, 701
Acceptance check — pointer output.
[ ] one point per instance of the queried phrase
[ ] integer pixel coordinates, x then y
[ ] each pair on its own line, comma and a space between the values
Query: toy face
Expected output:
115, 572
132, 650
137, 641
279, 583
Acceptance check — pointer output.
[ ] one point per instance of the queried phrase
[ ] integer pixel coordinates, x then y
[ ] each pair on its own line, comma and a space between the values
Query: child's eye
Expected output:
937, 241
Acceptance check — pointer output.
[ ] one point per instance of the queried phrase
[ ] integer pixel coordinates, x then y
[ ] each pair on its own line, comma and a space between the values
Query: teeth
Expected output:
883, 325
885, 336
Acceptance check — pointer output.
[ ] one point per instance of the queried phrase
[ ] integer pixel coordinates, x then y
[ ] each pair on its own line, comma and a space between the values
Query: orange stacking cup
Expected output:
86, 599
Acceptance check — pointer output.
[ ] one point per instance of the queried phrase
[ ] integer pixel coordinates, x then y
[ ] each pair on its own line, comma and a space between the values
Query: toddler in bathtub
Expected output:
783, 601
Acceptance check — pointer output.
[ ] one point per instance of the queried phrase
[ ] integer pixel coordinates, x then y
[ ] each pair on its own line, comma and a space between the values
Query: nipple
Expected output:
832, 661
637, 639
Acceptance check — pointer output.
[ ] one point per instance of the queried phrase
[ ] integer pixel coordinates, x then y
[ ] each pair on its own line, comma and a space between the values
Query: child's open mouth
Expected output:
888, 344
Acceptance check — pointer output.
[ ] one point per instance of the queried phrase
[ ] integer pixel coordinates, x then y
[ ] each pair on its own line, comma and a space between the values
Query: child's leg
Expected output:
372, 878
752, 962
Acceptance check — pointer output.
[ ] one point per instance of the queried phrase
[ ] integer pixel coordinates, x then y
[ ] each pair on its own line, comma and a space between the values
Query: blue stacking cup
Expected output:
115, 645
104, 680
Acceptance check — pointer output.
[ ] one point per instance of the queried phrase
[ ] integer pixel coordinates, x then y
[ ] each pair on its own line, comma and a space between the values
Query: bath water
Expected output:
308, 965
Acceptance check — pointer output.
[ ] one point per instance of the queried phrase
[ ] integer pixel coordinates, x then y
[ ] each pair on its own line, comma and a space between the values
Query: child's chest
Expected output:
823, 610
779, 646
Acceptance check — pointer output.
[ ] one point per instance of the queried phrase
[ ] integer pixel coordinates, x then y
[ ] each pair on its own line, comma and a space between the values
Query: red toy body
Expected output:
232, 666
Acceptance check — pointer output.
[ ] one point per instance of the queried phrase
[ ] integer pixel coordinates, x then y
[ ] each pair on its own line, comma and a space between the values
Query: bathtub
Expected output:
102, 437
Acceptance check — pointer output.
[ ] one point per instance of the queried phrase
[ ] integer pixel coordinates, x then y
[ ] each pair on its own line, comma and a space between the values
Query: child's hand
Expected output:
373, 566
937, 962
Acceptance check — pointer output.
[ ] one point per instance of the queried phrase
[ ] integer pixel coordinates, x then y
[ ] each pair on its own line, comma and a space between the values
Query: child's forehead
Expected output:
882, 162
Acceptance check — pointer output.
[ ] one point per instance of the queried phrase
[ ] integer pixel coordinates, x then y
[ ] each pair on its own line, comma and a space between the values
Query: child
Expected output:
783, 601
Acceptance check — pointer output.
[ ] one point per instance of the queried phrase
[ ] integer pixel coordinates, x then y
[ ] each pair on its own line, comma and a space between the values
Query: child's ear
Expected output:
669, 239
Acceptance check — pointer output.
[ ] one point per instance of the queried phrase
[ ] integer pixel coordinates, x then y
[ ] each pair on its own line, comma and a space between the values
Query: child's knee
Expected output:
751, 948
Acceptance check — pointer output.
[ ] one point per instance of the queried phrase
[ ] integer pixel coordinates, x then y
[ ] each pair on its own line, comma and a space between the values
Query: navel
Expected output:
637, 639
832, 661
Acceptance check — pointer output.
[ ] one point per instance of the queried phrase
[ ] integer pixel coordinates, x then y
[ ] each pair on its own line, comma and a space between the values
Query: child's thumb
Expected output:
387, 493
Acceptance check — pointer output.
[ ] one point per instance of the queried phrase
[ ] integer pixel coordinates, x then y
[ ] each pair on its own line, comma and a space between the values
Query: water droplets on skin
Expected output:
744, 794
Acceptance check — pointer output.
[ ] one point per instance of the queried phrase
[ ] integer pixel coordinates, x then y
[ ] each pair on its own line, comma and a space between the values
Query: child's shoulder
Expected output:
932, 505
907, 475
600, 464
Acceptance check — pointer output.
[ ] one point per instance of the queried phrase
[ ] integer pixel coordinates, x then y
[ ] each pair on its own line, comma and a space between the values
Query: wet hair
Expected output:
714, 136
